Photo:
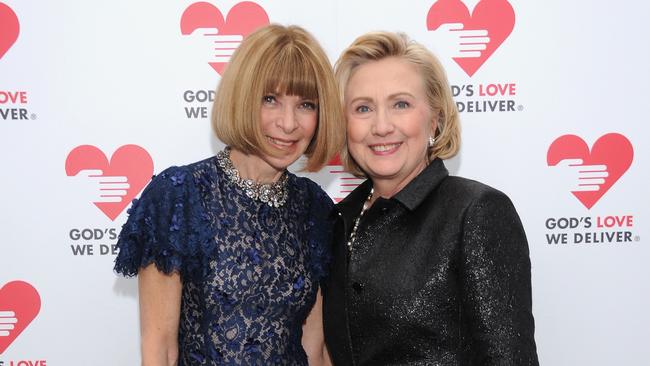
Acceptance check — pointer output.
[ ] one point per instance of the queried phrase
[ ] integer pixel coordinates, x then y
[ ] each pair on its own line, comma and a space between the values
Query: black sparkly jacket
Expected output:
438, 275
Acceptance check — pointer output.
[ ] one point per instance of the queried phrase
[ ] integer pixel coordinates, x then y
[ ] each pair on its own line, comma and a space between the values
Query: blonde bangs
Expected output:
290, 73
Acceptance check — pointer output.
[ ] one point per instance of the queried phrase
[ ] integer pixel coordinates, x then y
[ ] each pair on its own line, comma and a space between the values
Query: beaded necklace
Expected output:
274, 194
353, 234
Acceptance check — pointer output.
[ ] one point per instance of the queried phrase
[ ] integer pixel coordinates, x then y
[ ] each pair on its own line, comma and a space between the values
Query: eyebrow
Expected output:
392, 96
395, 95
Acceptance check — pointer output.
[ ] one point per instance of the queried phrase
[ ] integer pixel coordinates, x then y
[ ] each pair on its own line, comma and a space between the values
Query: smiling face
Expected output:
288, 123
389, 121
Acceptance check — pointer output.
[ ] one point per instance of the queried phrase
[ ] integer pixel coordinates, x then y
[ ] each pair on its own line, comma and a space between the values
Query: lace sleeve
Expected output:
159, 227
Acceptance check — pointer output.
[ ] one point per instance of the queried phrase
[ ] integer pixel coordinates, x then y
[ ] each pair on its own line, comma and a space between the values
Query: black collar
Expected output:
410, 196
419, 188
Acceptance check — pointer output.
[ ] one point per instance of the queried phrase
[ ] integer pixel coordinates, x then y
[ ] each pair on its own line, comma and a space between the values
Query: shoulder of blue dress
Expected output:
318, 226
200, 173
196, 228
317, 195
180, 188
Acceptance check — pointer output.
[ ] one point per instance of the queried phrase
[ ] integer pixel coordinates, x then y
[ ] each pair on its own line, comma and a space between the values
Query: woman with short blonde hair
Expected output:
379, 45
230, 251
427, 269
265, 64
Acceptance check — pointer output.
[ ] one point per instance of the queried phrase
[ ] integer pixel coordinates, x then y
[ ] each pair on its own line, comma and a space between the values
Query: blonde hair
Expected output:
285, 60
375, 46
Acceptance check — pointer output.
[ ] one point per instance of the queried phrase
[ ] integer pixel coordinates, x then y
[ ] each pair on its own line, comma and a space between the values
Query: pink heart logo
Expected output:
9, 28
242, 19
495, 16
19, 305
130, 161
344, 181
612, 150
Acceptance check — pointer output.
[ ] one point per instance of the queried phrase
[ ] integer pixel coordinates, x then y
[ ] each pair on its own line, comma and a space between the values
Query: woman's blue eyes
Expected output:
401, 105
398, 105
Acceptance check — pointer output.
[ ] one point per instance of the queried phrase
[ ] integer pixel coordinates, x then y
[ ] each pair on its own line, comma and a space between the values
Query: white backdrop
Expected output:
112, 73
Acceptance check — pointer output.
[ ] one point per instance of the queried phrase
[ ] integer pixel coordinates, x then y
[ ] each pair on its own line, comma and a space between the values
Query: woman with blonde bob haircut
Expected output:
230, 251
427, 268
266, 65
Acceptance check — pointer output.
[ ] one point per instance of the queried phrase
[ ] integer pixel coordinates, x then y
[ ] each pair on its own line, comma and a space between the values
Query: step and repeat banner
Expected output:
554, 108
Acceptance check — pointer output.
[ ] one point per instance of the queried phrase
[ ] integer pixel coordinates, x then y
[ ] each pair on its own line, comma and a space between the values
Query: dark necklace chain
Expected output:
274, 194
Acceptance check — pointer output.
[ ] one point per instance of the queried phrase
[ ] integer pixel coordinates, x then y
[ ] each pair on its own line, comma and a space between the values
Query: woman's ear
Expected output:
434, 123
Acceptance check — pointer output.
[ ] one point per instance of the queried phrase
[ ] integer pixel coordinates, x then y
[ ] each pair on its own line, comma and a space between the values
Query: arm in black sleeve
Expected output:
495, 283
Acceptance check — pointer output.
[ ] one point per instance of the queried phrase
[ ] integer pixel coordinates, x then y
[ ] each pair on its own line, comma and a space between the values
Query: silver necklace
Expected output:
274, 194
353, 234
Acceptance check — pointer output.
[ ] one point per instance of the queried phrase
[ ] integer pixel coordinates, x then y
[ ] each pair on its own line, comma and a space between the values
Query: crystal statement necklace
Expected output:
353, 235
273, 194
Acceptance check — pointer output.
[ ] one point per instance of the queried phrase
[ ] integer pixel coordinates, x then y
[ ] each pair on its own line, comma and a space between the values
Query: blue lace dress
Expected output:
250, 272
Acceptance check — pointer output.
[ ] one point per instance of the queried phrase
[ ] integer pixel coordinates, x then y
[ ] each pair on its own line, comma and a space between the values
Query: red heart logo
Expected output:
345, 182
612, 150
19, 305
130, 161
495, 16
9, 28
242, 19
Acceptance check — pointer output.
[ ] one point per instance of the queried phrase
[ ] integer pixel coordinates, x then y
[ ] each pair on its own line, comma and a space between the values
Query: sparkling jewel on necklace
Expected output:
274, 194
